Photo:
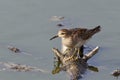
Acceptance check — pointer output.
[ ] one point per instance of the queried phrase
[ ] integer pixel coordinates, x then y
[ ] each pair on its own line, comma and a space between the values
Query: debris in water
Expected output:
20, 67
56, 18
60, 25
17, 50
14, 49
116, 73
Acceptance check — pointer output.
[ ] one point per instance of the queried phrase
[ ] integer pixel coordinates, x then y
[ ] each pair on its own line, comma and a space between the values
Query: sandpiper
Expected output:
75, 37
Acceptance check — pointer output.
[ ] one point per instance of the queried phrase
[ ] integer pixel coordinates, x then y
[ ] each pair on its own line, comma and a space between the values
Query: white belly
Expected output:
69, 43
63, 48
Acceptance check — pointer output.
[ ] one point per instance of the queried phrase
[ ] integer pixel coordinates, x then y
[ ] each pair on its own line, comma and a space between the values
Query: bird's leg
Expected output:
75, 52
71, 54
80, 51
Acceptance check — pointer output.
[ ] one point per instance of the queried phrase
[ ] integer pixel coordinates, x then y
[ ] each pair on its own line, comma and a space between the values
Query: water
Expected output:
25, 24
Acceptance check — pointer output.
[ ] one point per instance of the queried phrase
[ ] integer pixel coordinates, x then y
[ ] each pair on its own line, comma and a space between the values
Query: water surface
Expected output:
25, 24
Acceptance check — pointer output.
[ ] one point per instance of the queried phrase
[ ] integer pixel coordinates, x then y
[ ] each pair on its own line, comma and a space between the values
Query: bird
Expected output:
75, 37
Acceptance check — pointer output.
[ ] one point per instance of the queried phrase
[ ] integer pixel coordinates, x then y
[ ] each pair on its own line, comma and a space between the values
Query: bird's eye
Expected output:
62, 33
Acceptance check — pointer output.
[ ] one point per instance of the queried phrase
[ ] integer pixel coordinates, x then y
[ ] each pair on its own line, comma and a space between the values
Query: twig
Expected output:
58, 53
91, 54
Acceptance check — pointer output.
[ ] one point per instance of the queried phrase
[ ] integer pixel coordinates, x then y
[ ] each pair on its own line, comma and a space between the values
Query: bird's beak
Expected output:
54, 37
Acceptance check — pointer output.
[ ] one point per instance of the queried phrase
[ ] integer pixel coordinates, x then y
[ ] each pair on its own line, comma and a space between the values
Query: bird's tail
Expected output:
91, 32
94, 30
